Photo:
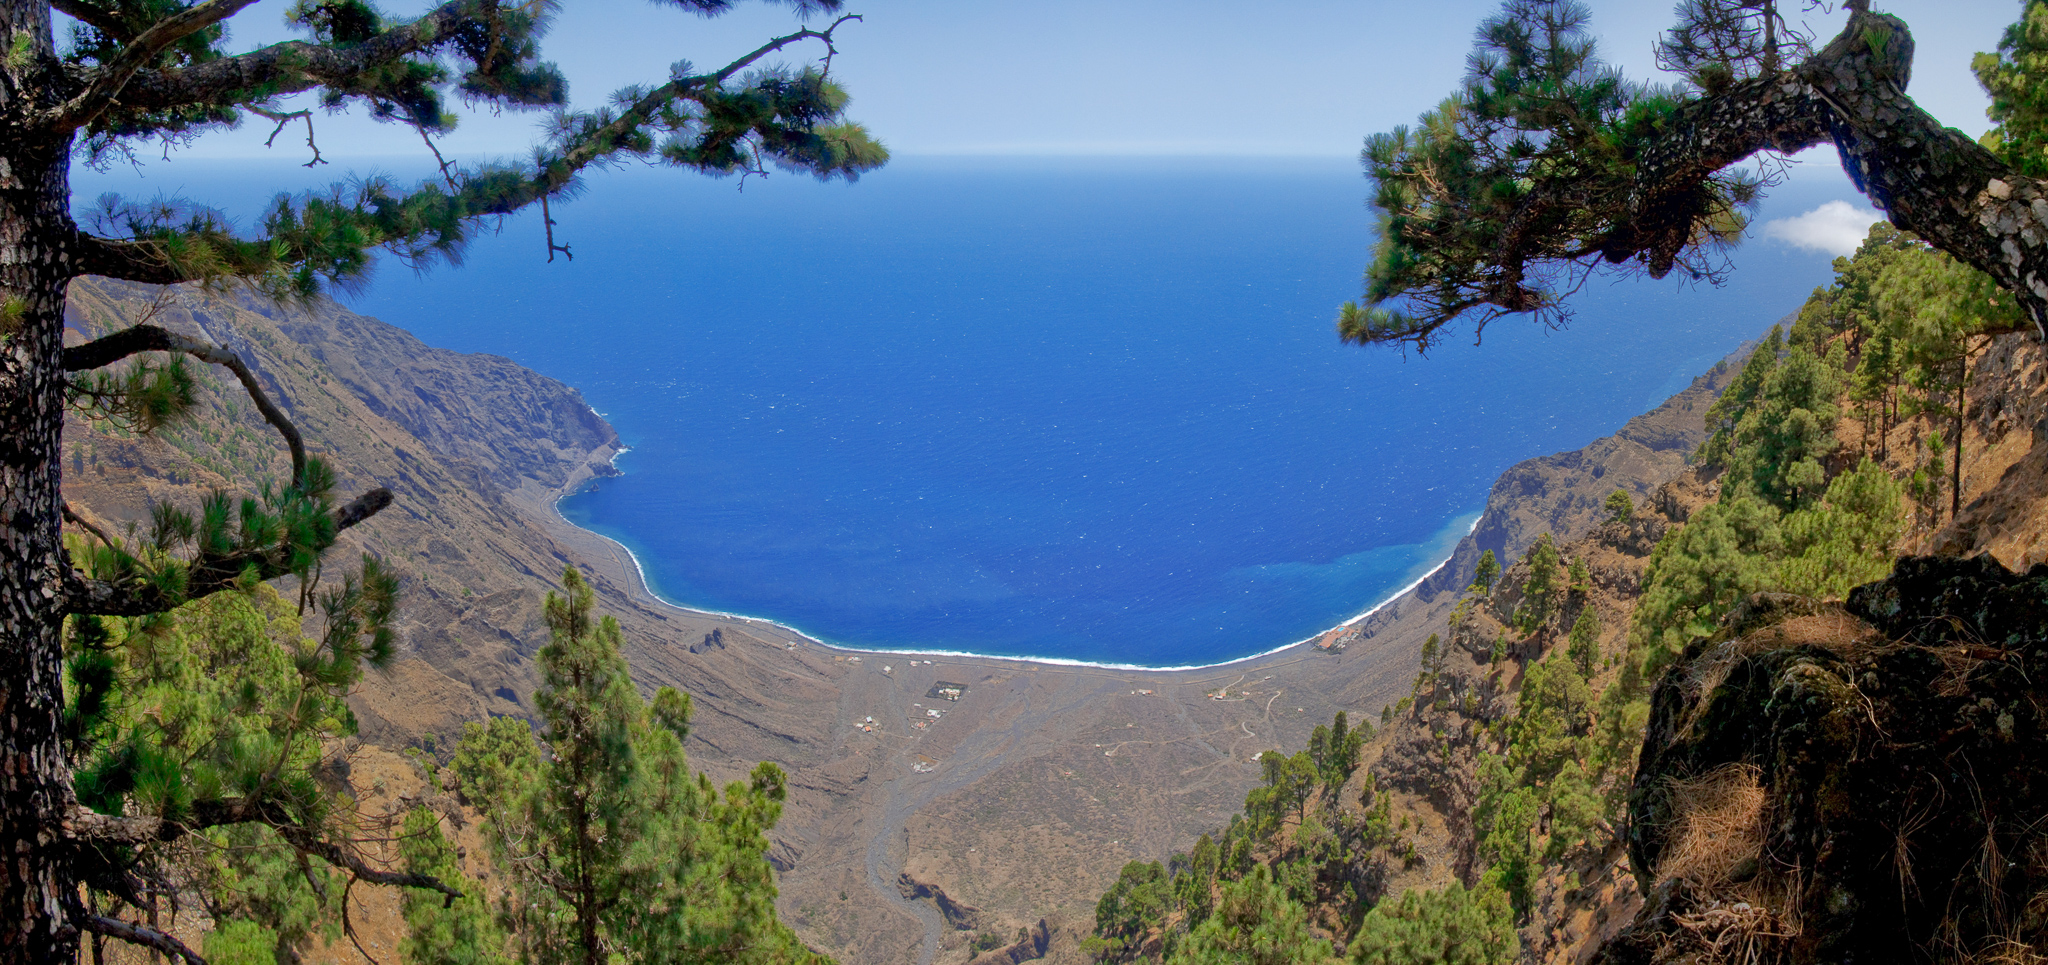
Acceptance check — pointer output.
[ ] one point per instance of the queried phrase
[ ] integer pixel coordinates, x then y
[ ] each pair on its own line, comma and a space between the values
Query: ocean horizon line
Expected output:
640, 573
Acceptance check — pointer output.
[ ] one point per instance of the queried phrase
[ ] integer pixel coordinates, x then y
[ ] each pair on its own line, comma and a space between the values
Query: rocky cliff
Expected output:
1852, 782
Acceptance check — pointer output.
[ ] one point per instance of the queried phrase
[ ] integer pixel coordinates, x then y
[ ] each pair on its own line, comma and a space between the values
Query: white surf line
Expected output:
648, 588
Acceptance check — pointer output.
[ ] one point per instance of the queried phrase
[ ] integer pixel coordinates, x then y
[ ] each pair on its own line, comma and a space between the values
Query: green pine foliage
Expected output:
1285, 862
1536, 100
1256, 922
2019, 99
614, 850
1445, 926
441, 931
1540, 590
1939, 312
1727, 411
1788, 430
1620, 506
1487, 572
217, 717
1584, 637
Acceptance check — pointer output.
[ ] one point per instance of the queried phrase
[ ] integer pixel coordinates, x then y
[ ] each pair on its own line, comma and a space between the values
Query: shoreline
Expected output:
637, 574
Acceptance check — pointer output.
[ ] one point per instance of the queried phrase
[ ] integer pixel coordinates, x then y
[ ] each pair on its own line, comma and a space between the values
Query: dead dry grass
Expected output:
1717, 825
1716, 846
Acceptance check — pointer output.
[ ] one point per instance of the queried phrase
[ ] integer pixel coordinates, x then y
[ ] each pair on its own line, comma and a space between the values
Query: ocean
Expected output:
1089, 410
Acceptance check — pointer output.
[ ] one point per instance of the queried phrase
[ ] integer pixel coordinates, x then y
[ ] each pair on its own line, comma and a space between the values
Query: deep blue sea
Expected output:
1079, 409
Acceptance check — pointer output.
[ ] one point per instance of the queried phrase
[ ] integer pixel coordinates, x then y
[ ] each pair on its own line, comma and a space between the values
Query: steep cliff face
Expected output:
1562, 494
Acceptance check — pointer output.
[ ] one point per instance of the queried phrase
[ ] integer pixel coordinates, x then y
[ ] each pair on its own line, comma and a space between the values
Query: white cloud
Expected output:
1836, 227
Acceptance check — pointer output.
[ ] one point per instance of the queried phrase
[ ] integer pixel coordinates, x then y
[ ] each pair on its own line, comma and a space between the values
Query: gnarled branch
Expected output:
136, 933
354, 864
114, 347
107, 83
1657, 207
286, 68
94, 829
94, 16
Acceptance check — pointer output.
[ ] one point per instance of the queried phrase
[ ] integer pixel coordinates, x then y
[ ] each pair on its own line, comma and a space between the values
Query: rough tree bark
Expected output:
35, 780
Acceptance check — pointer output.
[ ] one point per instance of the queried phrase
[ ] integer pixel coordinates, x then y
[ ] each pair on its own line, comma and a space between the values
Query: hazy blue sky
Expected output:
1279, 77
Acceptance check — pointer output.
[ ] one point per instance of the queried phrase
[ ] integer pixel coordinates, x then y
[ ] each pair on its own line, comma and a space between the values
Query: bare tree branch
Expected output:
286, 117
112, 348
92, 15
136, 933
81, 522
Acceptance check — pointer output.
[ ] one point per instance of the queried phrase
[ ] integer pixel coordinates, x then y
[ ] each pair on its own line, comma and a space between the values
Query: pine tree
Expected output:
1547, 164
138, 73
1539, 590
1487, 571
1735, 401
617, 852
2019, 99
1940, 312
1584, 647
441, 931
194, 737
1432, 660
1445, 926
1788, 430
1255, 923
1620, 506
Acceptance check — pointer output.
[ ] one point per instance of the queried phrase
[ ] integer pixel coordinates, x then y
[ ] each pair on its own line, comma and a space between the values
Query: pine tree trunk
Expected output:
37, 886
1955, 489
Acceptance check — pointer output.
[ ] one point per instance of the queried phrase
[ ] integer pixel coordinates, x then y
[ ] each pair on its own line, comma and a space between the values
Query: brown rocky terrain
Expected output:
1008, 809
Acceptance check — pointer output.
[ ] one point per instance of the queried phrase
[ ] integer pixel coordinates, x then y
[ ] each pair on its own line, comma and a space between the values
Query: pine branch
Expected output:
353, 863
93, 829
94, 16
1647, 190
106, 83
137, 261
136, 933
596, 144
320, 239
108, 349
206, 575
287, 68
